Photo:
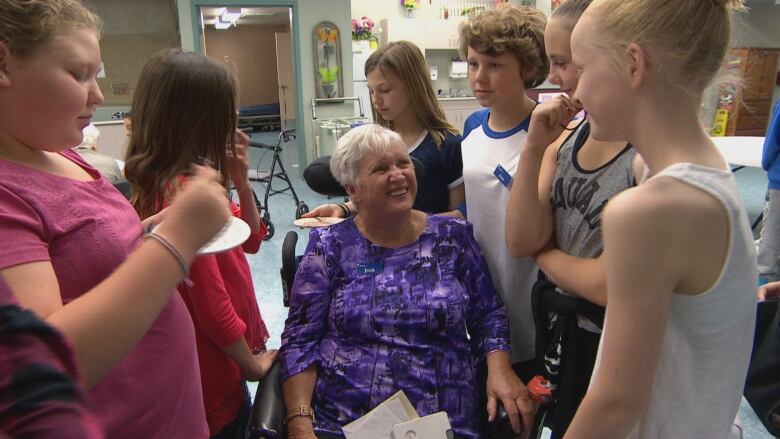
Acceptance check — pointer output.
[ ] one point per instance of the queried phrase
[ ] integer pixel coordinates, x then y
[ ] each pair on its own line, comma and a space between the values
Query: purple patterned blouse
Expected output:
378, 320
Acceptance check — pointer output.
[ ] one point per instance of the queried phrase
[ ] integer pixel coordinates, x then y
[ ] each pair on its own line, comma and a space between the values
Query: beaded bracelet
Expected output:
168, 246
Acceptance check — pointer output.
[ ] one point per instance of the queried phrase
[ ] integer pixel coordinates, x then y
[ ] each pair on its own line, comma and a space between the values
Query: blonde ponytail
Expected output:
690, 40
731, 5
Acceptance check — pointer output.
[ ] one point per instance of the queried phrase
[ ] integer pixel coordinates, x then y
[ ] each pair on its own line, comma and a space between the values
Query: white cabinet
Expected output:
408, 29
441, 34
425, 33
457, 110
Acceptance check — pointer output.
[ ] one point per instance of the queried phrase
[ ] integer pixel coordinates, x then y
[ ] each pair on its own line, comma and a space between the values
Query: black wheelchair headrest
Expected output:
319, 178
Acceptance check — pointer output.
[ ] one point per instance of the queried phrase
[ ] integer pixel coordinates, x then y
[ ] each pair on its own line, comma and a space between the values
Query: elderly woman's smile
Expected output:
386, 180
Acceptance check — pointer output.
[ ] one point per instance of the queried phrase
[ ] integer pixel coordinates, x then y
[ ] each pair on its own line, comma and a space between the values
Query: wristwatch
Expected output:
303, 410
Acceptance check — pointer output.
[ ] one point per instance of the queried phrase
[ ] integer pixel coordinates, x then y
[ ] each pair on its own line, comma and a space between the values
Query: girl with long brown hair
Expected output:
403, 100
184, 111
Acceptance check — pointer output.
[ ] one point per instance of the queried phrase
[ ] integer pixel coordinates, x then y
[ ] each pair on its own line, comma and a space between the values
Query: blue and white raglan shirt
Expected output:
487, 199
443, 171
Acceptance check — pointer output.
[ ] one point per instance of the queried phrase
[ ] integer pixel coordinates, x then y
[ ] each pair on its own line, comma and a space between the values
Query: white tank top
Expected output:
706, 349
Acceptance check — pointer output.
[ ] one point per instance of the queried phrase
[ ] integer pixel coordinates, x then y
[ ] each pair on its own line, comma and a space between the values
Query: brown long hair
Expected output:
405, 60
184, 111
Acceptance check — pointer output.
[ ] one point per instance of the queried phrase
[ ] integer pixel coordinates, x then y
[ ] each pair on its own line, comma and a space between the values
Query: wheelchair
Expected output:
268, 411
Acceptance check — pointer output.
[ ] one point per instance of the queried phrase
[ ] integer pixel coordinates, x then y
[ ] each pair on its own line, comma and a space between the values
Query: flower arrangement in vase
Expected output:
410, 6
362, 29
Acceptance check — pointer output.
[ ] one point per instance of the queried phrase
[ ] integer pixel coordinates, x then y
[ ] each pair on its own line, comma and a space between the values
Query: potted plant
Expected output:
410, 6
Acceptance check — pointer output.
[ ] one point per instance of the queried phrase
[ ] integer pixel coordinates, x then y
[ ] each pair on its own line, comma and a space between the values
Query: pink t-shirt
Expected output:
86, 229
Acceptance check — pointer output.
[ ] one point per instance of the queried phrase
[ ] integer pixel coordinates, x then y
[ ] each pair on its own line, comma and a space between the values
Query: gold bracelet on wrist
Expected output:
303, 410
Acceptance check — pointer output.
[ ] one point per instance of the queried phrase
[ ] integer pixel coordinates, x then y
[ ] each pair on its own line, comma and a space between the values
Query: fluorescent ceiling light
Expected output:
231, 14
221, 24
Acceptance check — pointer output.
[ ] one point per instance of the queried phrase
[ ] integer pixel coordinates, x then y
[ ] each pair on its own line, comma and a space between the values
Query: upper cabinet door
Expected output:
406, 29
441, 34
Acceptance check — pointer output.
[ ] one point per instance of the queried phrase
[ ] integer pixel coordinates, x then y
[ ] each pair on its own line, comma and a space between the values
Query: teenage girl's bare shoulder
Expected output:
666, 202
674, 224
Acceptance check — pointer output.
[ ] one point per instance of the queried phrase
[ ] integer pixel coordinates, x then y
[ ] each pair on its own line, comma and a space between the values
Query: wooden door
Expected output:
759, 70
285, 71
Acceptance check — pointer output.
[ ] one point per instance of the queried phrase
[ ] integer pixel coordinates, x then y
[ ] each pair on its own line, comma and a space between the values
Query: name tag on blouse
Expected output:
369, 267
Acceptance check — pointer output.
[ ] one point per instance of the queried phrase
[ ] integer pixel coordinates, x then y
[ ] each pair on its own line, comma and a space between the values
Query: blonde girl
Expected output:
679, 255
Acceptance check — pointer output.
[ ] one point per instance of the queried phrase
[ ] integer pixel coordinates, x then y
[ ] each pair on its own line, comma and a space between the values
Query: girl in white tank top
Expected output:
680, 264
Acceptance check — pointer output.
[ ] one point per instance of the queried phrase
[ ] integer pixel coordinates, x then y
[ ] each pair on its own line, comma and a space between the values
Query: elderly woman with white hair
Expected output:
393, 299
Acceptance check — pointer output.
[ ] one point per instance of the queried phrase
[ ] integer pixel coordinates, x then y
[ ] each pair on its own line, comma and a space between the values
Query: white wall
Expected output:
311, 13
379, 9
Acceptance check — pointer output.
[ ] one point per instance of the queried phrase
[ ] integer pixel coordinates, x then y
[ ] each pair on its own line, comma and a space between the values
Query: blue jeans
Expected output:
239, 426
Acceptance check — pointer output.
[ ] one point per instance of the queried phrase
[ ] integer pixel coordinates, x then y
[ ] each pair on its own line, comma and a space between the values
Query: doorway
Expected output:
256, 43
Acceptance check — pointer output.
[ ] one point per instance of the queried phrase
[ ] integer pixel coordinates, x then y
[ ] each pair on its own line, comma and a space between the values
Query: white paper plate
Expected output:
320, 221
234, 233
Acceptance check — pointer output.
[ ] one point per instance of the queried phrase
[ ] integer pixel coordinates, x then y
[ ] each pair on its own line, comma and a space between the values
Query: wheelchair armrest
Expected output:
268, 410
289, 265
502, 428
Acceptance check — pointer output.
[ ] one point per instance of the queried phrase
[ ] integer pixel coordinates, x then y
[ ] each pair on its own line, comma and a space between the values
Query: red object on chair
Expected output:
540, 391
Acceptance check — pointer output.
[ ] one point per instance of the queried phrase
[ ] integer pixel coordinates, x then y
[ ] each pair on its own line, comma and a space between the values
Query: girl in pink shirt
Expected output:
72, 249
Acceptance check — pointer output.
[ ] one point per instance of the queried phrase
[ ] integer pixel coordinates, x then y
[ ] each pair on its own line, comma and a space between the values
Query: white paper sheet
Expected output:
379, 422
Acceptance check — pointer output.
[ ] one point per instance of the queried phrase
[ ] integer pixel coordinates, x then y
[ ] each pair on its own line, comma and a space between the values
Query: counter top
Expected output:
456, 98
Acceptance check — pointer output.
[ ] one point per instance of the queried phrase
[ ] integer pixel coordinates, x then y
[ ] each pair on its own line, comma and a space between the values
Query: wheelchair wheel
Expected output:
302, 210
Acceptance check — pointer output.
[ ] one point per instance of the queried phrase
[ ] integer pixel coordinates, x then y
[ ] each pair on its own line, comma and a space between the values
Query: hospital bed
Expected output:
266, 117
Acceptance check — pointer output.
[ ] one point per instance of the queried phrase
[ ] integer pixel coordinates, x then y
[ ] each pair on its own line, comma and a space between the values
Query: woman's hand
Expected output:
262, 364
149, 223
300, 427
326, 210
769, 291
503, 385
238, 163
548, 120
